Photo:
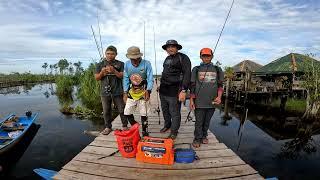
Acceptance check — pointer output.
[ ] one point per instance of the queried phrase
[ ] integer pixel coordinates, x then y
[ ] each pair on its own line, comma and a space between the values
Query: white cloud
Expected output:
260, 30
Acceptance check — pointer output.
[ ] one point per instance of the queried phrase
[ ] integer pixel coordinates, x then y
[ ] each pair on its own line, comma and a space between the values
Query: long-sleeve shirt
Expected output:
176, 74
144, 69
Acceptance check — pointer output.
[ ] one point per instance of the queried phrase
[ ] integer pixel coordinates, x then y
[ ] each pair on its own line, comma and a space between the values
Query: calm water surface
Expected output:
259, 140
58, 139
270, 148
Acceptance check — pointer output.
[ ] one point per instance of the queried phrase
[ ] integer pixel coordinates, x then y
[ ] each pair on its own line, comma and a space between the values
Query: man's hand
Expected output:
217, 100
182, 96
111, 69
146, 95
125, 97
192, 105
103, 72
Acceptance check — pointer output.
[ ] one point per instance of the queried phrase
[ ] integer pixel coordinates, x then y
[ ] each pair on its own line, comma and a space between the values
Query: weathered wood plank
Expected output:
107, 143
105, 150
111, 137
132, 163
247, 177
100, 150
134, 173
72, 175
91, 157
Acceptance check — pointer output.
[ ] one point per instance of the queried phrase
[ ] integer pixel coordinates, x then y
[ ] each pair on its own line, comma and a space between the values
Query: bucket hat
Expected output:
133, 52
172, 42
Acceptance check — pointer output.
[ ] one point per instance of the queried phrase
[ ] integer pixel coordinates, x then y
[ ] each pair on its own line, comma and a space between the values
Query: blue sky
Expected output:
36, 31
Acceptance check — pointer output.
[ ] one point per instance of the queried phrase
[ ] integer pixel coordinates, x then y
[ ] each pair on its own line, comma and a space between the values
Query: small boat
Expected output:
13, 128
46, 174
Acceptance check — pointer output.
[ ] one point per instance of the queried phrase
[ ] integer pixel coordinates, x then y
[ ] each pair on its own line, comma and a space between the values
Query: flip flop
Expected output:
196, 144
205, 140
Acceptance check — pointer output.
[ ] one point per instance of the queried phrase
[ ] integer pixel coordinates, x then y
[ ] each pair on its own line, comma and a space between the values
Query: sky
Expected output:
37, 31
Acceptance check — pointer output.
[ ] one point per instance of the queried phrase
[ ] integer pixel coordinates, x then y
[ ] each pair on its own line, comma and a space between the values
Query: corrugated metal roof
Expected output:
246, 64
285, 64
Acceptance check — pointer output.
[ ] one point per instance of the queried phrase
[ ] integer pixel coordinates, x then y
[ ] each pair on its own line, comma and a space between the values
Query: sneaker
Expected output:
172, 136
163, 130
106, 131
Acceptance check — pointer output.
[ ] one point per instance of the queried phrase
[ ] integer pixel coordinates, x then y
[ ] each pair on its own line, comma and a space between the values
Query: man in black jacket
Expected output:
175, 81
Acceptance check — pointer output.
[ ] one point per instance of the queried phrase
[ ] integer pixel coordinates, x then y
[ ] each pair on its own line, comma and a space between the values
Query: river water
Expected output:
265, 141
58, 139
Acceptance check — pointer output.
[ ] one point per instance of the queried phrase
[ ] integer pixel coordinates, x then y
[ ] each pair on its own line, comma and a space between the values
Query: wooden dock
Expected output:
217, 161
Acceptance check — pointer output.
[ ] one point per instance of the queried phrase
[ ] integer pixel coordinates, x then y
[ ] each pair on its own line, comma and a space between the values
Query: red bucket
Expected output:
128, 141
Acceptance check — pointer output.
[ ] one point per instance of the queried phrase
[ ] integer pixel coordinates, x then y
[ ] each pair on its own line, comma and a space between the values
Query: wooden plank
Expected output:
90, 157
72, 175
107, 143
106, 150
132, 163
248, 177
100, 150
151, 125
111, 137
134, 173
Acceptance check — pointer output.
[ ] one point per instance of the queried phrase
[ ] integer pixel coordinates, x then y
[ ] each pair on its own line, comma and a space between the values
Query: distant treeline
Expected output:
25, 78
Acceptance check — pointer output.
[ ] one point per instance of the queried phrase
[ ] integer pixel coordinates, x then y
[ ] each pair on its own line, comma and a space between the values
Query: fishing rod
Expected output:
95, 39
155, 65
214, 50
101, 47
144, 57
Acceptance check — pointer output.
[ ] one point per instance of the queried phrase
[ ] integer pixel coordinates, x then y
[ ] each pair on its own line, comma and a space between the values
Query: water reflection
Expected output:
296, 133
27, 87
10, 90
19, 89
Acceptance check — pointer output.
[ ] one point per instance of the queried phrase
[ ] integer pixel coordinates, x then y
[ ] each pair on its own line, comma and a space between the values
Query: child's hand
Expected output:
146, 95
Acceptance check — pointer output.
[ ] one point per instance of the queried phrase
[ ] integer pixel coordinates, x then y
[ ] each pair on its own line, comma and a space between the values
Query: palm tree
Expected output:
44, 66
63, 65
51, 66
55, 66
79, 69
71, 70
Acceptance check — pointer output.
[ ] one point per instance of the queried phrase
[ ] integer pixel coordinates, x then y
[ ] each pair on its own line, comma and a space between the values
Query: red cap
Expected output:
206, 51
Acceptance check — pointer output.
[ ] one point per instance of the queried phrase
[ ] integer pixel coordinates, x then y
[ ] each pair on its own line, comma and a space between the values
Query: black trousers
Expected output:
171, 112
203, 118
